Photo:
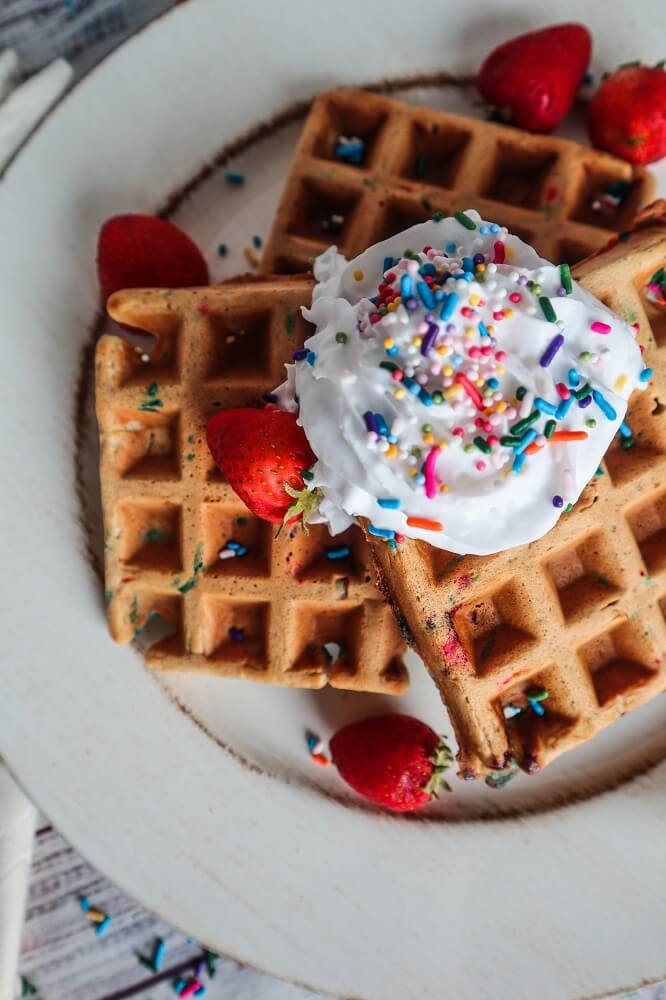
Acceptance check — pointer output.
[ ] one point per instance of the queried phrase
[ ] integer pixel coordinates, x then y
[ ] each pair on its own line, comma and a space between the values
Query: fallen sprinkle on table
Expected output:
257, 242
250, 256
27, 989
316, 748
222, 249
235, 178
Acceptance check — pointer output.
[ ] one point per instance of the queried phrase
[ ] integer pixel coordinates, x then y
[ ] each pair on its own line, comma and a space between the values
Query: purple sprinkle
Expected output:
450, 327
551, 350
411, 305
300, 355
478, 258
585, 401
429, 339
370, 422
269, 397
561, 292
237, 634
558, 501
522, 279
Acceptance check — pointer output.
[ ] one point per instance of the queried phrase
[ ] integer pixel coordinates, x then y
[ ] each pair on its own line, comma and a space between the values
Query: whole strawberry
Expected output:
627, 115
141, 251
532, 80
393, 760
263, 454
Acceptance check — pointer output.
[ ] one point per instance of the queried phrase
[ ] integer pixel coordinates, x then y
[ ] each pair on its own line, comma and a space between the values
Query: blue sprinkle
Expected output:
428, 268
179, 985
419, 479
574, 377
604, 405
381, 532
543, 406
494, 228
300, 355
340, 553
392, 438
311, 357
448, 306
241, 551
484, 230
645, 375
392, 351
525, 441
564, 408
536, 706
256, 242
373, 299
483, 330
425, 397
388, 263
450, 247
406, 287
411, 386
625, 430
518, 462
426, 296
312, 741
468, 264
465, 275
101, 927
493, 383
222, 249
234, 545
159, 955
234, 177
389, 503
85, 904
457, 359
440, 294
382, 426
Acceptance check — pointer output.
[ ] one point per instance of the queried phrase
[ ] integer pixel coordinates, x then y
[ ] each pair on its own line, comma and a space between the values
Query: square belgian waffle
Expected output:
282, 611
571, 629
563, 198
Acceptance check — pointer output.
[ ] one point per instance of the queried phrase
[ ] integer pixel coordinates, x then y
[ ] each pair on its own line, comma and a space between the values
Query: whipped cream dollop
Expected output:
459, 389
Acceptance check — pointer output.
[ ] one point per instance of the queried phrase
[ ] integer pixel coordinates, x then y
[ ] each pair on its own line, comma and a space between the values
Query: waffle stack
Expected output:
367, 167
190, 573
536, 649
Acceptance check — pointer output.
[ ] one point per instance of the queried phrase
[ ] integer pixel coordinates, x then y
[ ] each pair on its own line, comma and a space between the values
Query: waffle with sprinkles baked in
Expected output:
190, 572
536, 649
367, 167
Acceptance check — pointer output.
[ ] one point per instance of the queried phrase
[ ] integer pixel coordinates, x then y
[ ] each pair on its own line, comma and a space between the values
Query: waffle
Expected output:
579, 614
283, 612
551, 192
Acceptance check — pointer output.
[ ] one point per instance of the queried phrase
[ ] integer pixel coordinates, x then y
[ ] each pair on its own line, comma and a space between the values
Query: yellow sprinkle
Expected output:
500, 407
417, 341
508, 313
391, 307
453, 390
490, 328
428, 438
443, 443
500, 369
508, 253
470, 332
358, 275
443, 487
388, 343
481, 267
412, 472
447, 371
399, 392
479, 381
474, 300
392, 451
620, 383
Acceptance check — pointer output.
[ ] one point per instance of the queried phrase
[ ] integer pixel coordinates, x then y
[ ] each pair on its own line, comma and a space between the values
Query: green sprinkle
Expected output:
547, 309
197, 567
342, 338
389, 366
27, 989
627, 443
534, 287
307, 475
368, 183
465, 220
289, 322
210, 963
438, 216
416, 452
482, 445
108, 597
584, 356
509, 442
154, 535
591, 422
584, 391
190, 438
549, 429
521, 392
190, 456
152, 406
565, 278
437, 397
468, 448
134, 610
426, 429
152, 389
568, 508
523, 425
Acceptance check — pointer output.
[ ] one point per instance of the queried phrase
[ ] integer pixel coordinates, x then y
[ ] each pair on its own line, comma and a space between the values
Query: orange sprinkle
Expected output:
321, 759
425, 523
533, 448
568, 436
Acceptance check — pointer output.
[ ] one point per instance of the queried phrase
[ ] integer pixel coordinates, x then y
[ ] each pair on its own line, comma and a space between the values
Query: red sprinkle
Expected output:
500, 356
499, 253
466, 311
562, 391
471, 391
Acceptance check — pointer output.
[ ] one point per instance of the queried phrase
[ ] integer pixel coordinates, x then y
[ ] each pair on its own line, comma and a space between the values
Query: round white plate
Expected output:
194, 794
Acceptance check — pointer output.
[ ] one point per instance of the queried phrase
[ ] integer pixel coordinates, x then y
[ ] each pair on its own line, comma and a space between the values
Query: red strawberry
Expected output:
393, 760
532, 79
140, 251
263, 454
627, 115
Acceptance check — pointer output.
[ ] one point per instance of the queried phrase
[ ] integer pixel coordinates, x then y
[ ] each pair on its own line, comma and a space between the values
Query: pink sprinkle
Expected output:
458, 431
429, 472
500, 356
397, 375
498, 315
399, 538
492, 440
478, 421
562, 391
499, 253
480, 465
454, 651
599, 327
474, 352
486, 351
191, 989
375, 318
515, 297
